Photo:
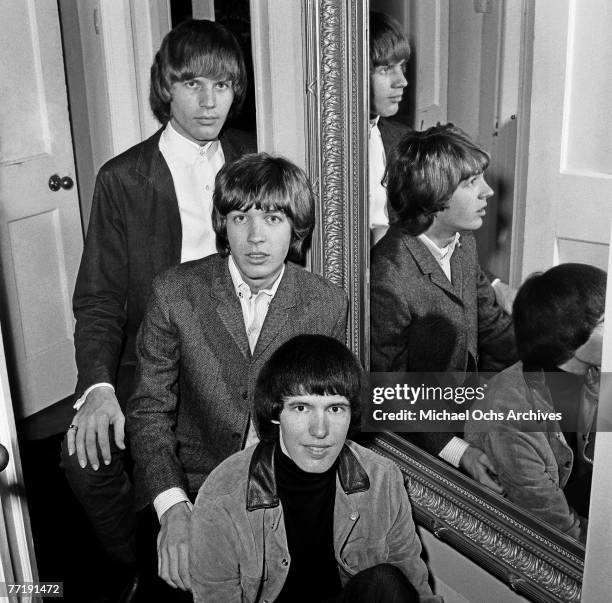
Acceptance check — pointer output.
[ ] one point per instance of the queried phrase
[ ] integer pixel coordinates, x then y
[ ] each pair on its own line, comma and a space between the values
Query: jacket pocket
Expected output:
362, 553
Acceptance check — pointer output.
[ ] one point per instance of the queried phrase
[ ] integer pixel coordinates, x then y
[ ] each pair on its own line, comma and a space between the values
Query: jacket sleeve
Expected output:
390, 320
101, 289
213, 557
152, 409
404, 544
522, 471
496, 343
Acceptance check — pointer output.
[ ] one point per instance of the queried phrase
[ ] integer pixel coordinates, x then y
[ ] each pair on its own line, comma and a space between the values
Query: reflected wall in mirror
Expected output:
483, 72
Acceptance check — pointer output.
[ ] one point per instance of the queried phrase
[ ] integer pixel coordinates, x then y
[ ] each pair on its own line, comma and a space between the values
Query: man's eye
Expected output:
223, 85
383, 69
193, 84
238, 219
300, 408
337, 409
274, 219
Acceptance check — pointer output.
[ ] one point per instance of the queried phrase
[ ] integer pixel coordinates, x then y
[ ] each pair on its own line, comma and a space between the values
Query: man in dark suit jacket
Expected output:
432, 307
389, 54
210, 326
151, 210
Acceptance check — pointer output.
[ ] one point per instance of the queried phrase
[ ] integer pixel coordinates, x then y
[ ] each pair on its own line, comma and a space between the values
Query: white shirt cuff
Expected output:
81, 400
453, 451
168, 498
495, 281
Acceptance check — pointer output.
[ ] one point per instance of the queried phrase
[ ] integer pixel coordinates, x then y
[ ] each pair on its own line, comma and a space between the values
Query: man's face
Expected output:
387, 83
313, 430
466, 207
259, 241
199, 107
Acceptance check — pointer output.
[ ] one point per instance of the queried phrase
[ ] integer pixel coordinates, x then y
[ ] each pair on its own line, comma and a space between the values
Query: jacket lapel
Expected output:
278, 312
152, 166
228, 306
427, 265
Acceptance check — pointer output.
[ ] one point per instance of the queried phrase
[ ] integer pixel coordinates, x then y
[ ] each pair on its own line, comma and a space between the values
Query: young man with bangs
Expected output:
151, 210
432, 307
210, 326
306, 515
389, 54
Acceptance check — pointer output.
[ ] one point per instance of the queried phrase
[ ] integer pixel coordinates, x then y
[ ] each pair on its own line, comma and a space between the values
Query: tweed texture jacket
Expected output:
420, 321
239, 548
196, 374
134, 233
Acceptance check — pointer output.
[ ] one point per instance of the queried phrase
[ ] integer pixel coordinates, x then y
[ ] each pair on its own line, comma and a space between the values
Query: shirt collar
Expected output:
184, 149
373, 124
440, 253
242, 289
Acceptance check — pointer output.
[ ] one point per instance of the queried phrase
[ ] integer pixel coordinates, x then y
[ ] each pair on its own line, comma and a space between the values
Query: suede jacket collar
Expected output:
261, 486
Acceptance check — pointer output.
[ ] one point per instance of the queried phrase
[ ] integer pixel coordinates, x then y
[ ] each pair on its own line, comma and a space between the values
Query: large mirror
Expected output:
476, 64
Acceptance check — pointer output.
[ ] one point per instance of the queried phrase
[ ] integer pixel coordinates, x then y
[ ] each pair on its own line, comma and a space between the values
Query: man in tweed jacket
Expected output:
210, 326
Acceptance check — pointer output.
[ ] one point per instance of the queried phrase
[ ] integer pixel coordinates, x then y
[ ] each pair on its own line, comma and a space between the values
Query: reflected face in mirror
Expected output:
466, 209
200, 106
387, 83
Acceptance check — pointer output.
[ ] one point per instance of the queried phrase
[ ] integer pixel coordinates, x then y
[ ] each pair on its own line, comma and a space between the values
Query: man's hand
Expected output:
504, 294
477, 464
173, 547
90, 425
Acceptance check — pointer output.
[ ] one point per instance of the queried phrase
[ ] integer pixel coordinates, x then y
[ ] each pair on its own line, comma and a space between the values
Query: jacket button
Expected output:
245, 395
568, 464
284, 562
354, 515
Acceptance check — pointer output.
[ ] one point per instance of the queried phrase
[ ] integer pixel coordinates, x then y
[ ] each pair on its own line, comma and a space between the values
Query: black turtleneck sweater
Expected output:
308, 509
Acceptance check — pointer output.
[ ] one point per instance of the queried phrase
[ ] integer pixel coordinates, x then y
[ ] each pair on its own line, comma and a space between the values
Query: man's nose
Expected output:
208, 97
256, 231
318, 425
486, 191
399, 81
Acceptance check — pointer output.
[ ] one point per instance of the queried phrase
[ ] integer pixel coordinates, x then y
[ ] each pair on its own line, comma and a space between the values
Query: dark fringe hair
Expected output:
388, 43
555, 312
306, 365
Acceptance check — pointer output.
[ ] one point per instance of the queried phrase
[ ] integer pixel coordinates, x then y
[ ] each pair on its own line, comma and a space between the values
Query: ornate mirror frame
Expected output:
535, 560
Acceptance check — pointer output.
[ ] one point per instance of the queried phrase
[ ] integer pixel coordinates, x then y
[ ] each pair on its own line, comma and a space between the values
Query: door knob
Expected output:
4, 457
55, 183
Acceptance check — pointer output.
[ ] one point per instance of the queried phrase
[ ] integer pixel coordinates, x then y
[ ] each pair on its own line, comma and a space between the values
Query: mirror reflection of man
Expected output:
307, 515
210, 326
151, 210
389, 54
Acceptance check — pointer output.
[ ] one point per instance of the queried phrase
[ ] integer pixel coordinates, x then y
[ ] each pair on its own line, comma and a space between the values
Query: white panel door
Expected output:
568, 197
40, 230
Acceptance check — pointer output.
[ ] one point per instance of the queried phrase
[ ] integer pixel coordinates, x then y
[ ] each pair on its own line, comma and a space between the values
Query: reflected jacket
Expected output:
532, 466
239, 548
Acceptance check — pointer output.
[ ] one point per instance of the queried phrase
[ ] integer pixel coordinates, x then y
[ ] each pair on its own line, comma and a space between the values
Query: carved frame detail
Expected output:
536, 561
336, 150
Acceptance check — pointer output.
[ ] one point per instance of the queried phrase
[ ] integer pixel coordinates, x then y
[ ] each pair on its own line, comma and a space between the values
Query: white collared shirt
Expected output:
378, 214
193, 168
442, 255
254, 311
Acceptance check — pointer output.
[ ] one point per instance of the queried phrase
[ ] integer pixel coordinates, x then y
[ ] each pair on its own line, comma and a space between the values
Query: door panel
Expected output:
568, 200
40, 232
